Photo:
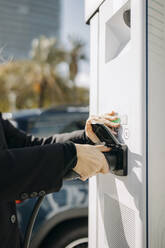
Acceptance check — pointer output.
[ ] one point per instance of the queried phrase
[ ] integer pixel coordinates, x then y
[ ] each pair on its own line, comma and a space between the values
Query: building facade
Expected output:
23, 20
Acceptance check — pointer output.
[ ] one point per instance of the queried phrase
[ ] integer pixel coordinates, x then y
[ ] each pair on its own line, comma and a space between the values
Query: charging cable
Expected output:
30, 225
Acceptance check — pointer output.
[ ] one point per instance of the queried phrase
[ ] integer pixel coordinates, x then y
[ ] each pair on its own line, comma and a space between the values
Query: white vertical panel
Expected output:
122, 87
156, 122
94, 50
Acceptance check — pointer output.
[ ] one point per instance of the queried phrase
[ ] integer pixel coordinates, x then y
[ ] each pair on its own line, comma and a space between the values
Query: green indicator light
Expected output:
117, 120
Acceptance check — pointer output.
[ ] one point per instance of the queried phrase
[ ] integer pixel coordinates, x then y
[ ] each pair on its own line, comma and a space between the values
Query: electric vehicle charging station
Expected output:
128, 76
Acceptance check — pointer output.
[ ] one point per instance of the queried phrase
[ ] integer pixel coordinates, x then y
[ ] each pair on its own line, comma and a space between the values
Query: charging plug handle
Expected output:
117, 157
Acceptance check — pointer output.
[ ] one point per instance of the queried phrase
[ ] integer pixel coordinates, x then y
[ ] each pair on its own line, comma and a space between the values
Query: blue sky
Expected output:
73, 22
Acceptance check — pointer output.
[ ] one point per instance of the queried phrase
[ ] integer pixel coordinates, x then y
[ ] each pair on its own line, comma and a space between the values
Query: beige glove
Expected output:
91, 160
105, 119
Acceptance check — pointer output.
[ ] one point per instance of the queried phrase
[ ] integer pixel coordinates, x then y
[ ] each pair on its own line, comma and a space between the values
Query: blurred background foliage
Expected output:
46, 79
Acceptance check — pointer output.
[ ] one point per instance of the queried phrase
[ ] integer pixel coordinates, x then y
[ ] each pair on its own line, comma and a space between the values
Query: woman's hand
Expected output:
91, 160
106, 119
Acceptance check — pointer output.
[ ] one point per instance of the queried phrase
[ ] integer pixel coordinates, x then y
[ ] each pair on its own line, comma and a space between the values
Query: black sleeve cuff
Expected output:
70, 156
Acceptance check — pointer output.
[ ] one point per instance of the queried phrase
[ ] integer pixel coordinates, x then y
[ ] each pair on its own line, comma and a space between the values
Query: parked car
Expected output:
63, 217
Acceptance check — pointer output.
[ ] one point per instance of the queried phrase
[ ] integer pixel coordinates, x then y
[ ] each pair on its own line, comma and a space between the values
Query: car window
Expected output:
75, 125
50, 124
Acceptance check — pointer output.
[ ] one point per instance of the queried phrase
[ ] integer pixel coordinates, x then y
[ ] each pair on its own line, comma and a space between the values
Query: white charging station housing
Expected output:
128, 76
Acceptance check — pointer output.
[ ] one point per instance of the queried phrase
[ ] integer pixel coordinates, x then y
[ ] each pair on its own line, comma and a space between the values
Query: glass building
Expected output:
23, 20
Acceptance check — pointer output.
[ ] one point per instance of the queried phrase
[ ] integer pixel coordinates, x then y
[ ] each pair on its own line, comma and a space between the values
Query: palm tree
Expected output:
47, 55
38, 82
75, 55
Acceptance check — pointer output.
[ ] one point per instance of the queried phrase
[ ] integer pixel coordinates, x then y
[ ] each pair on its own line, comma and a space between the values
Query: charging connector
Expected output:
117, 157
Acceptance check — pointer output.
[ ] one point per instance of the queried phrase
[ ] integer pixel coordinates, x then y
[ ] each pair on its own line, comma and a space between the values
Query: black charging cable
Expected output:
71, 175
32, 219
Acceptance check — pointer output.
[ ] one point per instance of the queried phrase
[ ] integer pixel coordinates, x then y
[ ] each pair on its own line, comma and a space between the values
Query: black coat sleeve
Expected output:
17, 138
30, 164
